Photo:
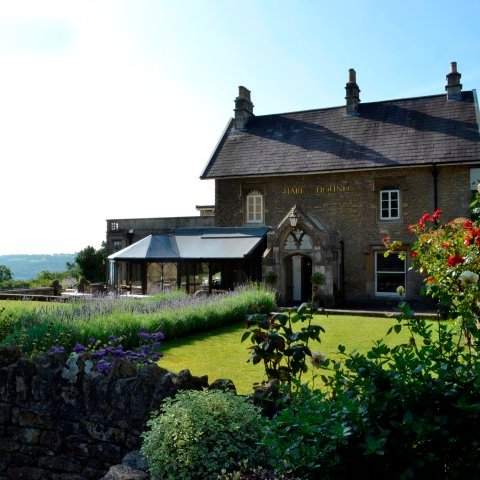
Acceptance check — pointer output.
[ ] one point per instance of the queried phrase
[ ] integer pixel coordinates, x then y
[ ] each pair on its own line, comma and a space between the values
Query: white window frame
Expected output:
474, 178
386, 198
254, 207
377, 272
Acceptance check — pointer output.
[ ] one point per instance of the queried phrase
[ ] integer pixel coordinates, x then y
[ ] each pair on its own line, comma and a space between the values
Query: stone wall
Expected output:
61, 421
44, 294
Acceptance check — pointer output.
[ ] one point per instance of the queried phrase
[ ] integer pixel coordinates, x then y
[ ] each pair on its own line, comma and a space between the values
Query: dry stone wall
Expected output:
61, 420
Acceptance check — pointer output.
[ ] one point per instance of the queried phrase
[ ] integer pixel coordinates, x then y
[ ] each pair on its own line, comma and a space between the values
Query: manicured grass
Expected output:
220, 353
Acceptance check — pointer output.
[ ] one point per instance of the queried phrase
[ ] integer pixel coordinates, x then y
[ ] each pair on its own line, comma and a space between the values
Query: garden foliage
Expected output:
405, 411
200, 434
175, 314
280, 341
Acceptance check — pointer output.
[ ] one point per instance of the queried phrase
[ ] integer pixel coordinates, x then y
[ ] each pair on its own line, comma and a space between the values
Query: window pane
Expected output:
389, 204
389, 264
389, 282
254, 208
390, 273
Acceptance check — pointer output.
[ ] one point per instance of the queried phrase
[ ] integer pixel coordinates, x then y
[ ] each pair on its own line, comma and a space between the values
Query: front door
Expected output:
298, 285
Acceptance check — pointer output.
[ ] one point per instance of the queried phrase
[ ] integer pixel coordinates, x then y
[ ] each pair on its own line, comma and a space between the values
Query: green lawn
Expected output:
220, 354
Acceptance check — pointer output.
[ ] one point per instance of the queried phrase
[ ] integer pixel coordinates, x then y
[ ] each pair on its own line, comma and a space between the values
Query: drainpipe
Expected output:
435, 186
342, 272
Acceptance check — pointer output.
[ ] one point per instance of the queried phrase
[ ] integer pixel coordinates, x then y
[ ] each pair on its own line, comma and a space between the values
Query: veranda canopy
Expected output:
194, 244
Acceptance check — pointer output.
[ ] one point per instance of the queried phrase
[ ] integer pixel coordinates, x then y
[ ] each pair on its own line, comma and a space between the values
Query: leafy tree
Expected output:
5, 274
46, 277
92, 263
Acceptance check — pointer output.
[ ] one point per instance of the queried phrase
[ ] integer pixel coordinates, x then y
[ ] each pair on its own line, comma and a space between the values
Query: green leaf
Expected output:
302, 308
245, 336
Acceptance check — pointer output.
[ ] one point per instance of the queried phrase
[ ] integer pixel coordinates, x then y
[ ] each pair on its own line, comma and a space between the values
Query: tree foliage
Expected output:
5, 274
92, 263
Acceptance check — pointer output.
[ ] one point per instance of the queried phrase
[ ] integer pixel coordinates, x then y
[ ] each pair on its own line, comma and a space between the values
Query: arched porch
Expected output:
298, 247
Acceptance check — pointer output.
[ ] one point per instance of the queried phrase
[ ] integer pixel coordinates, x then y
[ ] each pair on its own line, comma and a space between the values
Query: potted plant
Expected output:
271, 278
317, 278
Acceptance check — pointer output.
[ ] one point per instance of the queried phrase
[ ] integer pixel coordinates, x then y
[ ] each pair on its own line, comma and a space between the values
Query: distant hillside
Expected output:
27, 267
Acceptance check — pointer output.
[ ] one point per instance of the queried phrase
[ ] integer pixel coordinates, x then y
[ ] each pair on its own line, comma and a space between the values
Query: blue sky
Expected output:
111, 109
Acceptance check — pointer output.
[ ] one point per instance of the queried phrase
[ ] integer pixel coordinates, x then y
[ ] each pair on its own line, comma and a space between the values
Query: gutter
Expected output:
477, 109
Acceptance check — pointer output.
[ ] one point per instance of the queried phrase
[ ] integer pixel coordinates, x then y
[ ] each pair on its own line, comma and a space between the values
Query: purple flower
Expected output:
144, 335
56, 349
103, 366
158, 336
79, 348
112, 339
92, 340
99, 353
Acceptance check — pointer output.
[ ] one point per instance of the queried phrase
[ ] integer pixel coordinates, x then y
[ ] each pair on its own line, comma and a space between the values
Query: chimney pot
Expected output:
243, 108
454, 87
352, 93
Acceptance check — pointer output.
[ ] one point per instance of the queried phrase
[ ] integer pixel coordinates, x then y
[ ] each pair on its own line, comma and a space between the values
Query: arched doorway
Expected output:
298, 267
298, 283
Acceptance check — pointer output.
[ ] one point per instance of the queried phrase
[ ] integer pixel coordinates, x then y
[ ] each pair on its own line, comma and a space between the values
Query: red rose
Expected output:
414, 254
446, 244
467, 224
455, 260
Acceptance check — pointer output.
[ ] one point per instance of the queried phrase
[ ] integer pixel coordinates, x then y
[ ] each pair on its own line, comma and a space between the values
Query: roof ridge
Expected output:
361, 104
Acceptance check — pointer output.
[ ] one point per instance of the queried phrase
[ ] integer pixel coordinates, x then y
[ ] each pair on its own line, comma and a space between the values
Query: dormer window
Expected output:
389, 203
254, 207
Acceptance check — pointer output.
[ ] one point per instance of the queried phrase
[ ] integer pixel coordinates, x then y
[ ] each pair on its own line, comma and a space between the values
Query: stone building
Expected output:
329, 184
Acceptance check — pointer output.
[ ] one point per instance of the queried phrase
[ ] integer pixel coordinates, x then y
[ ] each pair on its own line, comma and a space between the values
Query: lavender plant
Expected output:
103, 355
176, 314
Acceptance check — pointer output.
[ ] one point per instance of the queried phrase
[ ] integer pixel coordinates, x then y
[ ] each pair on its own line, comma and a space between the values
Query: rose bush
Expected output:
448, 255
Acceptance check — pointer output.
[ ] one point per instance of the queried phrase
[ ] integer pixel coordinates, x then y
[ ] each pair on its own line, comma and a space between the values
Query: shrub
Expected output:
199, 434
412, 409
7, 323
306, 438
408, 411
280, 341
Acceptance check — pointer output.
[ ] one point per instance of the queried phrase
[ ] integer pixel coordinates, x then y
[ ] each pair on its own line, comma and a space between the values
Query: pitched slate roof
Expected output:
394, 133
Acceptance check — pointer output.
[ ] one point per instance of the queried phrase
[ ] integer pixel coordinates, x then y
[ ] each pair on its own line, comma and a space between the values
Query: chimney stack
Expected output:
243, 108
353, 93
453, 86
